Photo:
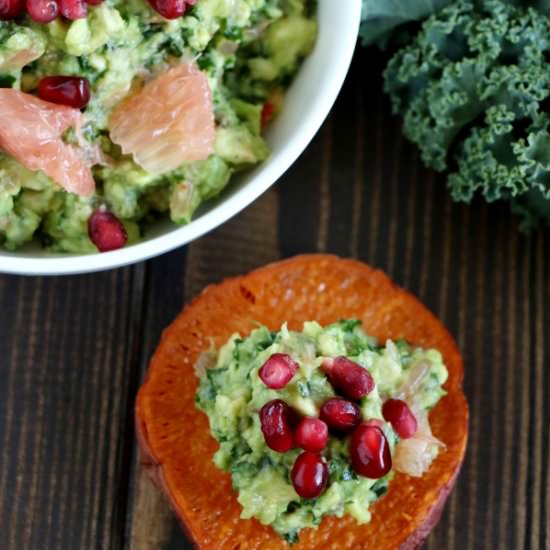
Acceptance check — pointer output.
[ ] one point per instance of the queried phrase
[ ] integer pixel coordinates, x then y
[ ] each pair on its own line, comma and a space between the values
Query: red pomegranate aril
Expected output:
375, 422
293, 419
169, 9
73, 9
72, 91
278, 371
311, 434
370, 452
267, 114
348, 377
43, 11
10, 9
340, 415
398, 414
309, 475
106, 231
275, 420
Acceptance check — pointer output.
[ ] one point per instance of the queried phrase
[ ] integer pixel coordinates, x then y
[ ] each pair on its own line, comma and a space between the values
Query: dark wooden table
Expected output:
73, 350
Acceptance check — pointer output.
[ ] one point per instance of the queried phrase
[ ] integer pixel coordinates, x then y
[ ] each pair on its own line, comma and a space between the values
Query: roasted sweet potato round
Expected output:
174, 436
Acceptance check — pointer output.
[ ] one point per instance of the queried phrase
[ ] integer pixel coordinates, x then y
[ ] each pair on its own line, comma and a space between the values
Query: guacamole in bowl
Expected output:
87, 161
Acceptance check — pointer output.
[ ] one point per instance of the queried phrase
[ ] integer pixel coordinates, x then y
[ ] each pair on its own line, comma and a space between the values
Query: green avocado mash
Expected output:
249, 49
231, 393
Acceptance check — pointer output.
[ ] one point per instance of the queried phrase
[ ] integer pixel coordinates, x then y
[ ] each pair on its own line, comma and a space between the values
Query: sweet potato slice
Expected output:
174, 436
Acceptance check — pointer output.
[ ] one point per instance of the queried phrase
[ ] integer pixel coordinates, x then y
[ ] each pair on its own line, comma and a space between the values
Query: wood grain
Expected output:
73, 350
66, 350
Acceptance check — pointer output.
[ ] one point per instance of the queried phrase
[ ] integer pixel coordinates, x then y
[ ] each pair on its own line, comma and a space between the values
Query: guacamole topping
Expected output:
231, 59
373, 399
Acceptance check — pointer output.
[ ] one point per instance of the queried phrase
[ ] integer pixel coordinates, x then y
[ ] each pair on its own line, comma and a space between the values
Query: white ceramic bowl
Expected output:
308, 102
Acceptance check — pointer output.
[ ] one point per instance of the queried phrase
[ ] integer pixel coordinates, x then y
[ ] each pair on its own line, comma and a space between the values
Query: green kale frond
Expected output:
474, 91
380, 18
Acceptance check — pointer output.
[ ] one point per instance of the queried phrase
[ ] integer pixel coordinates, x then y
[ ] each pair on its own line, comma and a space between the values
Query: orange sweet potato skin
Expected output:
174, 436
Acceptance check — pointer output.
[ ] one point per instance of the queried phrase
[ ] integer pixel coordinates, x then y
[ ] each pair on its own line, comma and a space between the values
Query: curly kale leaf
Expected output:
474, 92
383, 20
381, 17
541, 5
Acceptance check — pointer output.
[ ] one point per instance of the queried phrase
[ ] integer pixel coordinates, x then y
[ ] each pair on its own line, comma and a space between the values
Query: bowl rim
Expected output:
270, 172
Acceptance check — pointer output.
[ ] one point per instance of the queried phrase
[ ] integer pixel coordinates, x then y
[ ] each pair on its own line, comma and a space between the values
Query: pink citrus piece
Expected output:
168, 122
31, 133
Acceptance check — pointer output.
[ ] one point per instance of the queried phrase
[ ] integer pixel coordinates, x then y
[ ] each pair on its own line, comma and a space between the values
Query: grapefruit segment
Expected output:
313, 287
168, 122
31, 133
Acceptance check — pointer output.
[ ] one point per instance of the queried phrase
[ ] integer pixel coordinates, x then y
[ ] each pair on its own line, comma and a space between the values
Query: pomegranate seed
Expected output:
309, 475
403, 421
72, 91
340, 415
370, 451
375, 422
276, 421
348, 377
73, 9
43, 11
267, 114
169, 9
277, 371
293, 419
311, 434
10, 9
106, 231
